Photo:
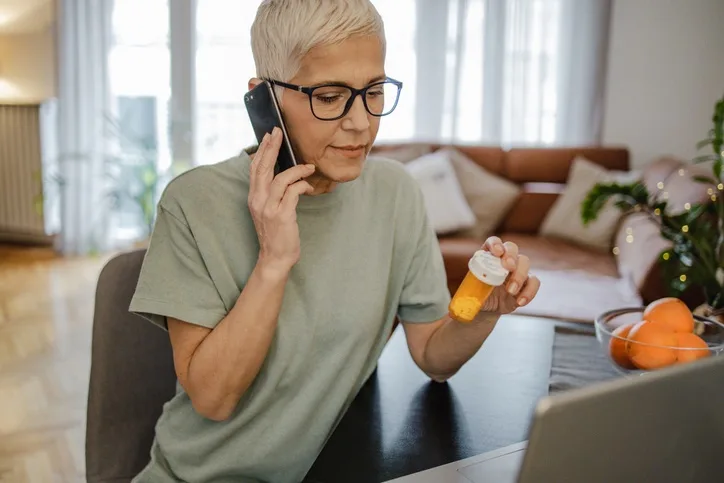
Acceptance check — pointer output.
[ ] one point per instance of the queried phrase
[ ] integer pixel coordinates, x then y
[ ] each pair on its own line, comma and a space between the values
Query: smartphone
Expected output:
265, 115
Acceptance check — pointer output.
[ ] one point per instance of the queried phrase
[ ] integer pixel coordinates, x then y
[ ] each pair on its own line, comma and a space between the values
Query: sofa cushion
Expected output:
564, 218
681, 189
447, 208
658, 171
639, 243
554, 254
489, 195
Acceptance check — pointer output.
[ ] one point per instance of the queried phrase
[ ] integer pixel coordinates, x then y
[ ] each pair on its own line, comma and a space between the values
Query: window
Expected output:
224, 65
140, 85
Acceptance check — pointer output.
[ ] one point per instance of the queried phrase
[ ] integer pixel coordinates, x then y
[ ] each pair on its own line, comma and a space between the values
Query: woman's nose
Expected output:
357, 116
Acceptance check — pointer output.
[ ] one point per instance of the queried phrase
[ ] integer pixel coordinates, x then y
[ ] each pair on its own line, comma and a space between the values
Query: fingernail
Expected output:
276, 131
513, 288
265, 138
522, 301
311, 167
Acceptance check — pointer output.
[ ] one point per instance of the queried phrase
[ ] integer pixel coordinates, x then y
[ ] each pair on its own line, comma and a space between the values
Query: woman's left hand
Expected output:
520, 287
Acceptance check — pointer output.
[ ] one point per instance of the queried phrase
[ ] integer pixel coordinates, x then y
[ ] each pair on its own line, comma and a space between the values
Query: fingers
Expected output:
529, 291
519, 276
254, 168
269, 158
507, 252
495, 246
291, 196
283, 180
510, 257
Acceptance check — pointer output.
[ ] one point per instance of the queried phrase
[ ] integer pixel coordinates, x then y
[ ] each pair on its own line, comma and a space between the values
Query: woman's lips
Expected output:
351, 151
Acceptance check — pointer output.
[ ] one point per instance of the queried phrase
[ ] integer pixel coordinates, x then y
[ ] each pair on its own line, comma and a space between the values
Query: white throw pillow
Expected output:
489, 196
564, 218
447, 209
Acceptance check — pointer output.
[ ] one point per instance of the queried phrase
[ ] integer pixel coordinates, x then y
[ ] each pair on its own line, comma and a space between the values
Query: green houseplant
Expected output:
695, 259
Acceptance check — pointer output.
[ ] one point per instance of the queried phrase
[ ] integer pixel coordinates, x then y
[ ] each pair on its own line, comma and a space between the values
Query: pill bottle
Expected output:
485, 272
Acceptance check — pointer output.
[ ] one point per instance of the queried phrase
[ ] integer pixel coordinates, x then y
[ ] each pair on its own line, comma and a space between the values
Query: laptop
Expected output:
662, 426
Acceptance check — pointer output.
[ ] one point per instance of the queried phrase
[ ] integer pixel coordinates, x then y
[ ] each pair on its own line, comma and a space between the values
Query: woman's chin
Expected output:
342, 172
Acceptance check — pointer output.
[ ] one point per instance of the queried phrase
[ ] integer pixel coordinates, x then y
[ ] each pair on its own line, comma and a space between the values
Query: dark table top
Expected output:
402, 423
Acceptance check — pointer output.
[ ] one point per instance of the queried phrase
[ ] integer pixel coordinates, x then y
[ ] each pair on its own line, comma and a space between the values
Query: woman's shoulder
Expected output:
207, 185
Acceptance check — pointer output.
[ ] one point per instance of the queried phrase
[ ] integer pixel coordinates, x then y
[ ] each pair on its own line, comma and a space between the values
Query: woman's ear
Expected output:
253, 82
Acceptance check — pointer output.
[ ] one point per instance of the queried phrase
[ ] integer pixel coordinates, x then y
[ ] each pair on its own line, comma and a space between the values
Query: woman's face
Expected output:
337, 148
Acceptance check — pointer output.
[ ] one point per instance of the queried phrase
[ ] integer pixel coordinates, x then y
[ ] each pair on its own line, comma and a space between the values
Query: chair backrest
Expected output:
132, 376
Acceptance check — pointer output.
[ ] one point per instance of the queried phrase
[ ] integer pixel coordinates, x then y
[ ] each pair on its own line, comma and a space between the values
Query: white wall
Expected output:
665, 72
27, 66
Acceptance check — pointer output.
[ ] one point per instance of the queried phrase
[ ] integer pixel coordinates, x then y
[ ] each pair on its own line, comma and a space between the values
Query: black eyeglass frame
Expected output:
355, 92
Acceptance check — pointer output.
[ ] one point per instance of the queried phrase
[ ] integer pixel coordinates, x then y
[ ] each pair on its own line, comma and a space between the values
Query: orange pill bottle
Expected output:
485, 272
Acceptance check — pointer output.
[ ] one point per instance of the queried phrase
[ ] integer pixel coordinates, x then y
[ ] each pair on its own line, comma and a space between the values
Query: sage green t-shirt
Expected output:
367, 255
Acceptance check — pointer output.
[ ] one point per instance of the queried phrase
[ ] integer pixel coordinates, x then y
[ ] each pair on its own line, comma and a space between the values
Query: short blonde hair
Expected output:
284, 31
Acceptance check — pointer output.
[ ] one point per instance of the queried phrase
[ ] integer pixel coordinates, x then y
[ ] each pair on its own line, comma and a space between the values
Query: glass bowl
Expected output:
712, 332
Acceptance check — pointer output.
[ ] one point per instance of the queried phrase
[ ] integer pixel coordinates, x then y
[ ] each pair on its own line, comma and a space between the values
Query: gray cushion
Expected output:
132, 376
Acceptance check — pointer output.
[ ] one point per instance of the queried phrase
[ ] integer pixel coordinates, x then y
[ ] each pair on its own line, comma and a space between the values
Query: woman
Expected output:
279, 293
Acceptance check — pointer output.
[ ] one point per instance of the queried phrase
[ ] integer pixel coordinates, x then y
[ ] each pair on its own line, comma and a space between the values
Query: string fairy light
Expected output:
657, 212
682, 277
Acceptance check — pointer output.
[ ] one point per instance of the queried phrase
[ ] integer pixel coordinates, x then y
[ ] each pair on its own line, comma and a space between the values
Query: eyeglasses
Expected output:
330, 102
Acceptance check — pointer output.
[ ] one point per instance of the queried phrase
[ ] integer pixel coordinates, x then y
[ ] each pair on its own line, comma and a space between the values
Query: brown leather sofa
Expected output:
579, 283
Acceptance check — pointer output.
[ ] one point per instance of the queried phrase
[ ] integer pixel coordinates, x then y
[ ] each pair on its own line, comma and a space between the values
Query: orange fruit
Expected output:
691, 341
651, 345
671, 312
617, 347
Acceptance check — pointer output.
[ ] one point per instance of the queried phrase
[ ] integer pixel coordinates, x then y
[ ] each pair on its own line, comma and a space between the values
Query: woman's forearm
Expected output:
454, 343
228, 360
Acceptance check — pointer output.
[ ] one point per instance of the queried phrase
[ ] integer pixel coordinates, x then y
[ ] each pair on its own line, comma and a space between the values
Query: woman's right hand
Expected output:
273, 204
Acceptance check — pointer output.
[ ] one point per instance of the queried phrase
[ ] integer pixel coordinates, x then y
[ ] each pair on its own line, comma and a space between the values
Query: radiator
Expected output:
24, 136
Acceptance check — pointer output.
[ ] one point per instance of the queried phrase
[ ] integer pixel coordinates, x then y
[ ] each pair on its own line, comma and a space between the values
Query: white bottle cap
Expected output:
488, 268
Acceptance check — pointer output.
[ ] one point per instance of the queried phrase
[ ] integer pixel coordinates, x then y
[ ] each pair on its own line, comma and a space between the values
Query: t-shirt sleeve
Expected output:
425, 295
174, 281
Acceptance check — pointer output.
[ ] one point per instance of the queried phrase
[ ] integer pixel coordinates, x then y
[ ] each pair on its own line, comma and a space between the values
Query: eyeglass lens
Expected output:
329, 102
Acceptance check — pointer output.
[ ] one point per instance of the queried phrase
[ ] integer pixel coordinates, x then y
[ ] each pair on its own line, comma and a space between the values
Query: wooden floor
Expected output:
46, 308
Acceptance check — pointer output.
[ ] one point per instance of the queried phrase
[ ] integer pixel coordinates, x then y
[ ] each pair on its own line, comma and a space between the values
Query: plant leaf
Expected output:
704, 158
703, 143
704, 179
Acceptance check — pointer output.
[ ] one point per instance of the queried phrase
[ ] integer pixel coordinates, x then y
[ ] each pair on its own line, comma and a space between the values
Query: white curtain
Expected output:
84, 36
503, 72
509, 72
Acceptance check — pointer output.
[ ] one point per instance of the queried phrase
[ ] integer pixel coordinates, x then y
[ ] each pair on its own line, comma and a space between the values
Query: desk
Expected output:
402, 423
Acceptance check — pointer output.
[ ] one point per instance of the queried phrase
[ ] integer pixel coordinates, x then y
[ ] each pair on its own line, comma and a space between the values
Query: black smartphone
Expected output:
265, 115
